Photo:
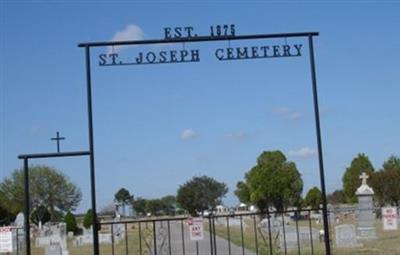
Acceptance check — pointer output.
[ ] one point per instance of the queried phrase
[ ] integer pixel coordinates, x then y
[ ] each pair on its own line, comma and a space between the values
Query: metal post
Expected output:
297, 215
255, 233
241, 233
154, 238
91, 150
169, 237
214, 236
126, 239
319, 142
229, 235
211, 233
18, 243
140, 239
311, 237
284, 233
183, 238
112, 240
26, 209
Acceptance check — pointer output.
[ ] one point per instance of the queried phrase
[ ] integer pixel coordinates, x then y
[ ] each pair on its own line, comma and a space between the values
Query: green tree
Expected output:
242, 192
48, 188
336, 197
313, 198
155, 207
201, 193
351, 177
169, 204
88, 220
70, 221
139, 204
123, 196
273, 181
386, 183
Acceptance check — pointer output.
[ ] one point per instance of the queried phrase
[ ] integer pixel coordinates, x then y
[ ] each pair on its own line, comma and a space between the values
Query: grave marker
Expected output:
389, 216
345, 236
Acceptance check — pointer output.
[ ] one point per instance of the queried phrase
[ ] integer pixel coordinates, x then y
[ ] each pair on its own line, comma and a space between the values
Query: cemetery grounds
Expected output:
387, 242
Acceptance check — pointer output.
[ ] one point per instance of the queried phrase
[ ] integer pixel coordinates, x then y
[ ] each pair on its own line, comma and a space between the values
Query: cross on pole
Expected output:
364, 178
58, 139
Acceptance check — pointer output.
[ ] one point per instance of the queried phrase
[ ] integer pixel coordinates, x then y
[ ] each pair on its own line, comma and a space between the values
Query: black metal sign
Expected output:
193, 55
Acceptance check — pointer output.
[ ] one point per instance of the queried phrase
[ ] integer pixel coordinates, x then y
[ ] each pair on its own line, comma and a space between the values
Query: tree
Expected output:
169, 204
351, 178
123, 196
201, 193
386, 182
139, 204
6, 217
70, 221
242, 192
88, 220
336, 197
273, 181
48, 188
155, 207
313, 198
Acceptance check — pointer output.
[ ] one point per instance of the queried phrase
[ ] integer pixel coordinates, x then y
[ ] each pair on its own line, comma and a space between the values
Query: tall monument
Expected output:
366, 218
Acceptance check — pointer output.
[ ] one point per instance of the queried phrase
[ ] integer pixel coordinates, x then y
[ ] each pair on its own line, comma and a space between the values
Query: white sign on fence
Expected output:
6, 240
196, 229
389, 216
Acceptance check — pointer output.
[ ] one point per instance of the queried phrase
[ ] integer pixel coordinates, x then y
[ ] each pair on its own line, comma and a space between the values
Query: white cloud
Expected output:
131, 32
188, 134
304, 152
288, 113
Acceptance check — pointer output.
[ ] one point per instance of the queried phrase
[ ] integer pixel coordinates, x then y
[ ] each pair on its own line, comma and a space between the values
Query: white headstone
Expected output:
19, 220
389, 216
345, 236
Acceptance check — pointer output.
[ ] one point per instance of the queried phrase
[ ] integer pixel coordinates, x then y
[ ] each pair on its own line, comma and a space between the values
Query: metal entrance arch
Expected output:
307, 35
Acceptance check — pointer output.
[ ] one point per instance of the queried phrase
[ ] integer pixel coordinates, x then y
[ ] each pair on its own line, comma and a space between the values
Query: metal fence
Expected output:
289, 232
241, 233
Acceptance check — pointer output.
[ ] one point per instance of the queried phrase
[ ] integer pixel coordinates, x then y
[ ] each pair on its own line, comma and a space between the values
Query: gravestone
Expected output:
118, 231
345, 236
286, 234
18, 232
305, 234
19, 220
53, 237
366, 218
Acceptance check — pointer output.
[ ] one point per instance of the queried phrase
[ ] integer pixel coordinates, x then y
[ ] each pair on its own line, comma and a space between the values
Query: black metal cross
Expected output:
58, 138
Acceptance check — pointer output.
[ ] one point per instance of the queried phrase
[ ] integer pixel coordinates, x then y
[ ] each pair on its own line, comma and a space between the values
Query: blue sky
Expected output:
156, 126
